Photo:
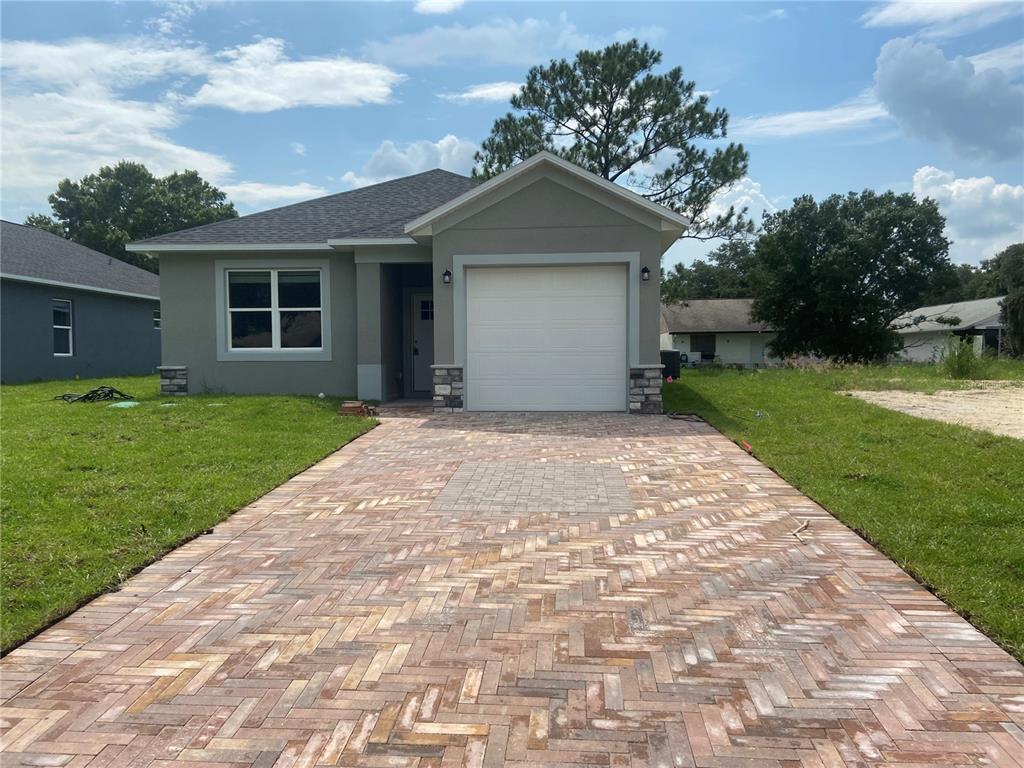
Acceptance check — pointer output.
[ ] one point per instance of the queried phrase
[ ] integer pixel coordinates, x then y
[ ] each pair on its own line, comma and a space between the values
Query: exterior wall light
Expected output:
645, 274
446, 277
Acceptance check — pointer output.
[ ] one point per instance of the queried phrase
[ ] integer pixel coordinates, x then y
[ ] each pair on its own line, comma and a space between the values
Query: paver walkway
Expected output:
478, 590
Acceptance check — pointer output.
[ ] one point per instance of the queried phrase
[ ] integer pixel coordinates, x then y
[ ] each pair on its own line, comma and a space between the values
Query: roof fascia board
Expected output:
370, 241
77, 286
224, 247
541, 158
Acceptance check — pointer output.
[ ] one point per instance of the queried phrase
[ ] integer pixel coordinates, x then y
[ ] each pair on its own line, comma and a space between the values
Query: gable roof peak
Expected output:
670, 220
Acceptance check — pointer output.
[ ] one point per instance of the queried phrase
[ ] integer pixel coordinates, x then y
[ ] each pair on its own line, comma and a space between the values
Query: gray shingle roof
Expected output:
34, 253
980, 313
381, 210
710, 316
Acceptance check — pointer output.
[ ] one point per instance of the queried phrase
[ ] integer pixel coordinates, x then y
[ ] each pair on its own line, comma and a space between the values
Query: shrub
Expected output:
961, 361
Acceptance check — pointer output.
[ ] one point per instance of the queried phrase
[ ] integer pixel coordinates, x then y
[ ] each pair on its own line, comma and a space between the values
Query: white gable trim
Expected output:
669, 219
224, 247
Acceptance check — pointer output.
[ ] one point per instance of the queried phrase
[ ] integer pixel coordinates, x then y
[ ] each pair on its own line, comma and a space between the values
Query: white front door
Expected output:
422, 341
547, 338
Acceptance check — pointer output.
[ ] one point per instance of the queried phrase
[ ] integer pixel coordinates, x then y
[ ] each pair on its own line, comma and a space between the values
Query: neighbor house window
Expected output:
156, 319
63, 341
274, 309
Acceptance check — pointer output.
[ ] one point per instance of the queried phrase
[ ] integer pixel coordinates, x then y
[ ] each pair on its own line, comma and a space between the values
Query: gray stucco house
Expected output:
535, 290
926, 331
67, 310
716, 331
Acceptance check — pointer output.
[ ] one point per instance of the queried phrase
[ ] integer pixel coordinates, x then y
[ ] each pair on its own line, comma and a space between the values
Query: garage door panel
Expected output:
549, 307
564, 363
546, 338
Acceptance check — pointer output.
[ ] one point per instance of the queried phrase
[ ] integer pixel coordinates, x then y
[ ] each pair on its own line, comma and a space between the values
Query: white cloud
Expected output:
939, 19
774, 14
259, 78
982, 215
501, 91
298, 148
257, 195
1009, 58
438, 6
110, 64
859, 112
745, 193
175, 15
977, 114
50, 136
391, 161
500, 41
496, 42
66, 111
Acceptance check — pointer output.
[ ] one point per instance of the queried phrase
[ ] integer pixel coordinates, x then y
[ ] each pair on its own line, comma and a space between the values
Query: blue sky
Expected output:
280, 102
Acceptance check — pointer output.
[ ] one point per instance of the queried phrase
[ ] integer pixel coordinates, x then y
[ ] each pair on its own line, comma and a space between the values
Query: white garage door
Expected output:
546, 338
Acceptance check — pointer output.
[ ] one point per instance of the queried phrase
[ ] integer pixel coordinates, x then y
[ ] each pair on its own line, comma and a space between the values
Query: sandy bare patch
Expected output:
995, 407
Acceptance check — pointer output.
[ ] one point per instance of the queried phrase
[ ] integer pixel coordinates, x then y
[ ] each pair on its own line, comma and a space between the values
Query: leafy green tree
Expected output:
108, 209
608, 112
831, 276
725, 275
1009, 265
44, 222
965, 282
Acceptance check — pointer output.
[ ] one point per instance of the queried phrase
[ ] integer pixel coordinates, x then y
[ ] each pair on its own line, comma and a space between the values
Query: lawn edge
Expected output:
967, 616
116, 587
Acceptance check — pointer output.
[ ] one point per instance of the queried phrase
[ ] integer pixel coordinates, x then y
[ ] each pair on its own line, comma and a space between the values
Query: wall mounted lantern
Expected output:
446, 277
645, 274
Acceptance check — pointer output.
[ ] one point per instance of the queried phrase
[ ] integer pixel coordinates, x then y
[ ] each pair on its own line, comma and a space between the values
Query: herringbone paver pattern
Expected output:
414, 601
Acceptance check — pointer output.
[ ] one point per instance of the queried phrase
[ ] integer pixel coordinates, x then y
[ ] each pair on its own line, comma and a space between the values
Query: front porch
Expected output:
395, 327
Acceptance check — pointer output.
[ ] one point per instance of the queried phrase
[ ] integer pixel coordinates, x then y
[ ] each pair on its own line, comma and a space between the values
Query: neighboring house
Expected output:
716, 331
69, 311
535, 290
926, 338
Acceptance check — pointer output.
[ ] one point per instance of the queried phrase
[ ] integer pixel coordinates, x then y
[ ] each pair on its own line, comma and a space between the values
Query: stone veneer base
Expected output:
448, 388
645, 389
173, 379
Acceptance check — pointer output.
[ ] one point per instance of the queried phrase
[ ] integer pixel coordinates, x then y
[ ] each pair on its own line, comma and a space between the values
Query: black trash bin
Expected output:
670, 361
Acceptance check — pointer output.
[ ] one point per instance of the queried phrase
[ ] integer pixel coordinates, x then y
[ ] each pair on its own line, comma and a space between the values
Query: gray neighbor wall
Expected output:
188, 290
544, 216
113, 335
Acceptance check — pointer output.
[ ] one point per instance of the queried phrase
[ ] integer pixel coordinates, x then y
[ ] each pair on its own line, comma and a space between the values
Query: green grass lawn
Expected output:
90, 493
945, 502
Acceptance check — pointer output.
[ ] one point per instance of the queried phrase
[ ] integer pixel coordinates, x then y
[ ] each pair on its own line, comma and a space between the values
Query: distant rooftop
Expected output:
980, 313
710, 316
378, 211
36, 254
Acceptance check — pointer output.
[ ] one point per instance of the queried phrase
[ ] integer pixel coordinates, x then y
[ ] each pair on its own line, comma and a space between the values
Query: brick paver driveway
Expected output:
526, 590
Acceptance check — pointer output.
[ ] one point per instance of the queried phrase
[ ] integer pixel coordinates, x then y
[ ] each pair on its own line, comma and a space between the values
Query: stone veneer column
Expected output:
448, 388
645, 389
173, 379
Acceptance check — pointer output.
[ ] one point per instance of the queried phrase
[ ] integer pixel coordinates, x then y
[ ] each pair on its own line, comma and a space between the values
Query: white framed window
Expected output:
63, 328
156, 319
273, 309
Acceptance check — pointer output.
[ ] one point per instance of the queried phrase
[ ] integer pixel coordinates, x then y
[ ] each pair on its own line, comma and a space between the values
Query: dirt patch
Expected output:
995, 408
